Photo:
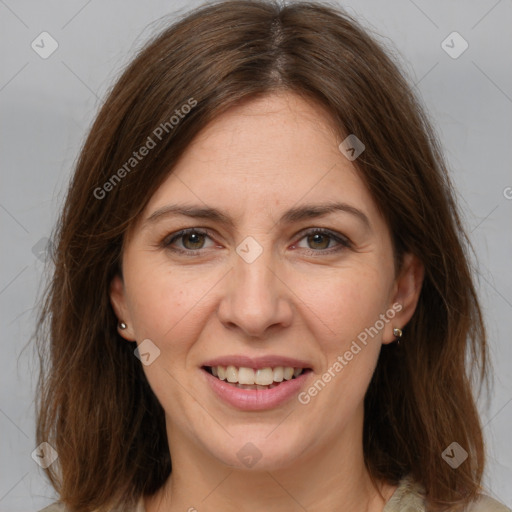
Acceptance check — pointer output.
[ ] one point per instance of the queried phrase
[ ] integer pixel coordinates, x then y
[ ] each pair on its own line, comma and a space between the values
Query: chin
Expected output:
258, 451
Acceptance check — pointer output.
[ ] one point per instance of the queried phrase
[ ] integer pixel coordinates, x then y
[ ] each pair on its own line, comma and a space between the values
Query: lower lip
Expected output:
256, 399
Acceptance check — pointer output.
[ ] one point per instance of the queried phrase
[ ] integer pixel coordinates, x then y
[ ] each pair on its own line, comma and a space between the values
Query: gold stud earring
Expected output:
398, 333
122, 326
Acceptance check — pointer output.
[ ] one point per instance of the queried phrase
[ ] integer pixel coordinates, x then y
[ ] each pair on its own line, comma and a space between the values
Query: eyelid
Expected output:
169, 239
342, 241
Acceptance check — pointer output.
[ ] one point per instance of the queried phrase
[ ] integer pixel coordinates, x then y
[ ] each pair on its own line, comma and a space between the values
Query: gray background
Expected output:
47, 106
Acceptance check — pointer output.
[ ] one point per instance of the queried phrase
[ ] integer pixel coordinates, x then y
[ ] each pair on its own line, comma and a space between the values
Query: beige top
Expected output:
408, 497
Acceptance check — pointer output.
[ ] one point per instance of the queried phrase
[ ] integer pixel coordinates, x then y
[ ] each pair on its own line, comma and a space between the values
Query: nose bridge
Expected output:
254, 274
255, 297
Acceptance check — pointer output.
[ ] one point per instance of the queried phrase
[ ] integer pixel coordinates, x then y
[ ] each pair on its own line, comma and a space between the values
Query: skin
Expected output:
296, 299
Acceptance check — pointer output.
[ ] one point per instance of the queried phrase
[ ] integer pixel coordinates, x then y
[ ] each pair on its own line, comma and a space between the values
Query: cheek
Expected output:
167, 305
343, 311
343, 303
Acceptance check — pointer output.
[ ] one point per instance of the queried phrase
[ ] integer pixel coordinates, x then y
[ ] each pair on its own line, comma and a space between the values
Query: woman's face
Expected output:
265, 277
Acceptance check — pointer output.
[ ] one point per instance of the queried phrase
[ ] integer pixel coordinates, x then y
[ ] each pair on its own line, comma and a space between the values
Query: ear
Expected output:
118, 301
405, 295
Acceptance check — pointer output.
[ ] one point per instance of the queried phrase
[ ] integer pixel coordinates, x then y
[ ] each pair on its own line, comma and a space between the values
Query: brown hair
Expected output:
95, 405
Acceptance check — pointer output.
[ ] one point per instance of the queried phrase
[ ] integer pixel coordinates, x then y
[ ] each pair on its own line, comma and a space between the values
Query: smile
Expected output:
279, 385
250, 378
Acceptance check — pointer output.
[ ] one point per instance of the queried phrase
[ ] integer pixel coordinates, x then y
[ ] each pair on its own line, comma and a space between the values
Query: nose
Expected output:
256, 298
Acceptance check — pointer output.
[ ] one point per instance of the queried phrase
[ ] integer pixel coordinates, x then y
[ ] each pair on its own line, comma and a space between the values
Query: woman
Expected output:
261, 297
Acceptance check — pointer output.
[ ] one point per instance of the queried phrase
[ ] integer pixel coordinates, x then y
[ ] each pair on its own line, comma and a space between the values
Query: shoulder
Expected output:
485, 503
410, 497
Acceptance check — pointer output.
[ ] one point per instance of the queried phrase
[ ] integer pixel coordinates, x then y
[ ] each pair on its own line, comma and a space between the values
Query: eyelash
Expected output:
343, 242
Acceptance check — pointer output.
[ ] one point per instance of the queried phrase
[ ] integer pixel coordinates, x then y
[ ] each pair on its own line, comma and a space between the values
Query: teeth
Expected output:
246, 376
255, 386
261, 378
278, 374
231, 374
288, 373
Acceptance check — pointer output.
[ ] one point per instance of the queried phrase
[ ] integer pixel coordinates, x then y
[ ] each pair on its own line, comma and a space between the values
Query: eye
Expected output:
321, 240
192, 240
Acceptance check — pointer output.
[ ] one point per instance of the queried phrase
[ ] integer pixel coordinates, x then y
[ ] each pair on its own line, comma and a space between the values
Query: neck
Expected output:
330, 477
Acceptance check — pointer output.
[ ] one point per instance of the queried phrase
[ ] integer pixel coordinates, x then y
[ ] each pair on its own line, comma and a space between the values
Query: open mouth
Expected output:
250, 378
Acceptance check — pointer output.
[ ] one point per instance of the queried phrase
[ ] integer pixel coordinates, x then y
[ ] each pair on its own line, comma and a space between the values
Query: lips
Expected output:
256, 383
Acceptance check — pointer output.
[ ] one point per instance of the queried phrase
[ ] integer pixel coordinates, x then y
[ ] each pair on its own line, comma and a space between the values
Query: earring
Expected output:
122, 326
398, 333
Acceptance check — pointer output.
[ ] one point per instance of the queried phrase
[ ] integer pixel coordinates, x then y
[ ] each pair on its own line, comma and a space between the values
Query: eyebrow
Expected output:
297, 214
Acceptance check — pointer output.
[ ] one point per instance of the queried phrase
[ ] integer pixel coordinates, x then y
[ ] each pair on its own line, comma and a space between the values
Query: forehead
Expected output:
274, 151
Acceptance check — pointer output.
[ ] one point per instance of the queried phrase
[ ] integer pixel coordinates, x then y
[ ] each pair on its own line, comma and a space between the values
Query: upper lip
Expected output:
257, 362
